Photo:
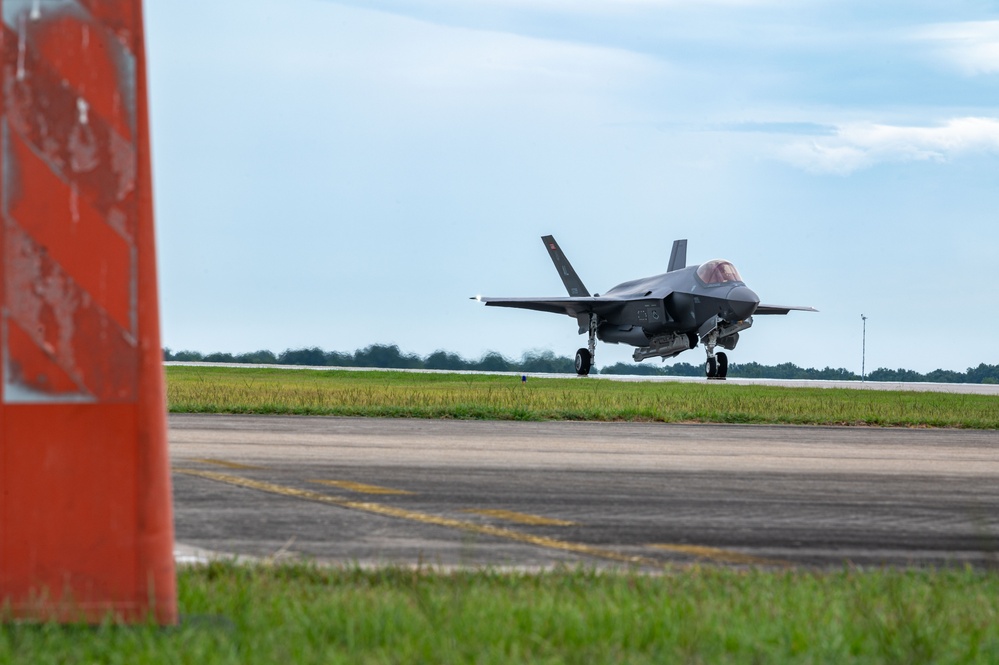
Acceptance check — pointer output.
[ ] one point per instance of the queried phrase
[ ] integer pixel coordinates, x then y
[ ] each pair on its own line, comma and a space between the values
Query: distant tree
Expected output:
545, 362
261, 357
945, 376
444, 360
310, 357
218, 357
683, 369
786, 371
895, 375
651, 369
830, 374
983, 374
337, 359
187, 357
752, 370
493, 362
380, 355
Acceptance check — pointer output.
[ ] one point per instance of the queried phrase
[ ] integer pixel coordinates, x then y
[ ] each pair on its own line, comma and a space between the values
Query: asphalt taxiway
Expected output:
374, 491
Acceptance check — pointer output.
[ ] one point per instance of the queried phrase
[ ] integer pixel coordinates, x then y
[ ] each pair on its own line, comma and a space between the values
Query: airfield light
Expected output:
863, 349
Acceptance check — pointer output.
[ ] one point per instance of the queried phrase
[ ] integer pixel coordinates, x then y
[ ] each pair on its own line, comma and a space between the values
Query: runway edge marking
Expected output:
425, 518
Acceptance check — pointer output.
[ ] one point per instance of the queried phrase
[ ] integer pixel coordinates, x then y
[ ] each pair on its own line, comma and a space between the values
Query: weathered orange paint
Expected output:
86, 524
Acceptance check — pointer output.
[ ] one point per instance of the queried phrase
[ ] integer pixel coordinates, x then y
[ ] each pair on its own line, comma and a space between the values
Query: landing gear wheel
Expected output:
722, 365
583, 360
711, 367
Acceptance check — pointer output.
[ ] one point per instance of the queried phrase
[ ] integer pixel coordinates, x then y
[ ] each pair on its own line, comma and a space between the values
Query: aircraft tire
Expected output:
583, 362
711, 368
722, 365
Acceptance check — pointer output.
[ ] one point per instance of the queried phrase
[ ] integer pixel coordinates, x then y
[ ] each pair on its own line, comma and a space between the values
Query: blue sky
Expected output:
338, 174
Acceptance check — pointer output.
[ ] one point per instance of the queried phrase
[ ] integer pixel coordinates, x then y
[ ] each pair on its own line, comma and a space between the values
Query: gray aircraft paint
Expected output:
662, 315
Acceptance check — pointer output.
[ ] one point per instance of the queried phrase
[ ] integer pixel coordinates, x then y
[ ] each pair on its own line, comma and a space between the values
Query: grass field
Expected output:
298, 613
480, 396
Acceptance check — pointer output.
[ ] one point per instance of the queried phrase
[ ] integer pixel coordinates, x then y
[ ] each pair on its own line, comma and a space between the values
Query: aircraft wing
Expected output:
781, 309
573, 307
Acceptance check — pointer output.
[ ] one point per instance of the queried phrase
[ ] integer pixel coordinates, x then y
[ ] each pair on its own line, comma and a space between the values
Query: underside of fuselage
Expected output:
680, 313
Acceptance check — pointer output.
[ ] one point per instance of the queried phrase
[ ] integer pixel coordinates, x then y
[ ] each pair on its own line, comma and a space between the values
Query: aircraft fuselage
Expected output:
676, 302
662, 315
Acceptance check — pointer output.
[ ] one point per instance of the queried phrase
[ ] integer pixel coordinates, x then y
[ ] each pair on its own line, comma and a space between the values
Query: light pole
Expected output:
863, 350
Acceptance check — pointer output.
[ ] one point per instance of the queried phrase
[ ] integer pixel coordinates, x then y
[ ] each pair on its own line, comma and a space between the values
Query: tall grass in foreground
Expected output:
298, 613
344, 393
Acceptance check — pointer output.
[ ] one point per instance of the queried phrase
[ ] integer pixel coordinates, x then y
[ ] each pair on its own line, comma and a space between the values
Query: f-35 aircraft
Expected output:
662, 315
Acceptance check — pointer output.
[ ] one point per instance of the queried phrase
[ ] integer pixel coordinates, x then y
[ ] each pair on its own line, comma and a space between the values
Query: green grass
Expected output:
478, 396
299, 613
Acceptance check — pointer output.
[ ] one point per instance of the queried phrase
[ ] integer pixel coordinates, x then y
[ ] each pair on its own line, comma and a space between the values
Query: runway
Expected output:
645, 495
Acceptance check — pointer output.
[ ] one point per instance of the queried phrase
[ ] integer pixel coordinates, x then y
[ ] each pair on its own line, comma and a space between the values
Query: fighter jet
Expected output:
663, 315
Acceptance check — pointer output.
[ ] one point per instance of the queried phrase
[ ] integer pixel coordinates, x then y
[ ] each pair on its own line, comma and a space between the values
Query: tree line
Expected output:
389, 356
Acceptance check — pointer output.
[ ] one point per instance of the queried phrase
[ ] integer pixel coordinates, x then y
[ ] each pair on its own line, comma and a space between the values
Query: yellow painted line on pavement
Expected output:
519, 518
720, 555
225, 463
359, 487
425, 518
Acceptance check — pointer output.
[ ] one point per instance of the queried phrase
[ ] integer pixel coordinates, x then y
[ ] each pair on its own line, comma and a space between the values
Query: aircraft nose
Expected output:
742, 300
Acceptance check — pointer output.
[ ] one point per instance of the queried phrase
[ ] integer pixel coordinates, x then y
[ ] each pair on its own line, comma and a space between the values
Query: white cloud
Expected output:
359, 54
461, 59
861, 145
972, 47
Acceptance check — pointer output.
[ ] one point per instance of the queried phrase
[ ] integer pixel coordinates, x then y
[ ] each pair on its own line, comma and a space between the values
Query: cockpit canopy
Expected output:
718, 271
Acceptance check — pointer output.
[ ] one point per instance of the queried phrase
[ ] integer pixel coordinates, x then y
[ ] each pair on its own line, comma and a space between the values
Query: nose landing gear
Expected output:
717, 364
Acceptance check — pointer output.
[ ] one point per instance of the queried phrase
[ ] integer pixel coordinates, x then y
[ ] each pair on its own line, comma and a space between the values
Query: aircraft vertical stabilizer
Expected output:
678, 257
573, 284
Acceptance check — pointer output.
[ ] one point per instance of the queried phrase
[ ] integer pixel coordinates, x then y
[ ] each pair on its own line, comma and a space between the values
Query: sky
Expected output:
338, 174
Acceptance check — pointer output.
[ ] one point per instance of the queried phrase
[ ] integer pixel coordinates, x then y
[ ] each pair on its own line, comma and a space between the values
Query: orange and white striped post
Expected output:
86, 525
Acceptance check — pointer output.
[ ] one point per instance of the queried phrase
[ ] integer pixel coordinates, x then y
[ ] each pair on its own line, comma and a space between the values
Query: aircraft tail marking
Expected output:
678, 256
573, 284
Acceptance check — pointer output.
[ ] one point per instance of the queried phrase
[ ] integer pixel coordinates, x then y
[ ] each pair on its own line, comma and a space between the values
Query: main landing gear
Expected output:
717, 364
584, 357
